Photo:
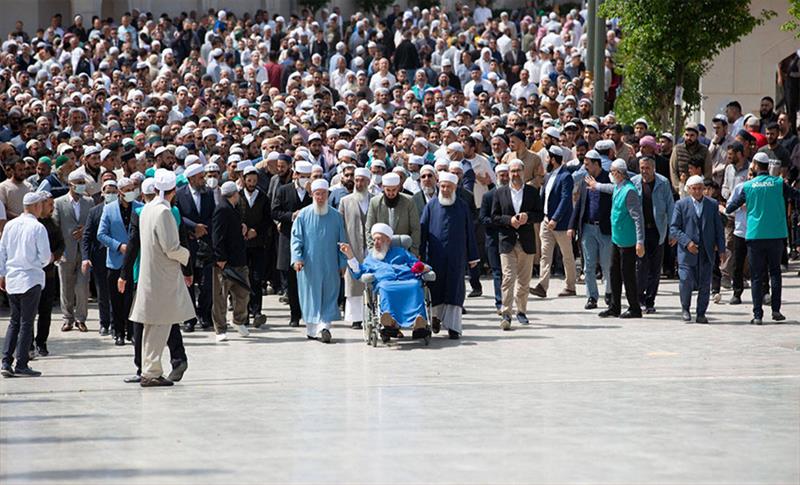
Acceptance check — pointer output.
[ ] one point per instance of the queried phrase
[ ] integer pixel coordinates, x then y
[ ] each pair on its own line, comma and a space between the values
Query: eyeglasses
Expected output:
426, 176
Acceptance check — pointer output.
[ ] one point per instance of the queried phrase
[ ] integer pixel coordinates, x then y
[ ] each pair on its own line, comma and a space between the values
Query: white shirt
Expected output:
251, 197
301, 193
523, 91
24, 252
516, 197
549, 188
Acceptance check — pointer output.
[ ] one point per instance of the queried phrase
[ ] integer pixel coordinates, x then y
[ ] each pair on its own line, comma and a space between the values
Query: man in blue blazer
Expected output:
113, 234
557, 195
196, 206
698, 228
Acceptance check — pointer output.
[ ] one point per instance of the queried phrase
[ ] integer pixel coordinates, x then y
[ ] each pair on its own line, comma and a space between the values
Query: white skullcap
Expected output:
501, 168
456, 147
362, 172
32, 198
91, 150
592, 154
193, 170
248, 170
553, 132
319, 184
448, 177
761, 157
314, 136
75, 176
124, 182
164, 180
455, 166
104, 153
390, 180
619, 165
556, 150
228, 188
302, 166
148, 186
211, 167
347, 154
378, 163
210, 132
604, 145
381, 228
161, 150
181, 152
515, 162
441, 162
109, 183
421, 141
190, 160
427, 168
416, 160
694, 180
243, 165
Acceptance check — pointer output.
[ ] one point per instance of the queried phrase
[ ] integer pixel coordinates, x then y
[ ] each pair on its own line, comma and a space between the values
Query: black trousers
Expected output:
648, 268
201, 294
177, 352
294, 298
49, 295
100, 277
257, 264
765, 257
120, 305
19, 333
623, 269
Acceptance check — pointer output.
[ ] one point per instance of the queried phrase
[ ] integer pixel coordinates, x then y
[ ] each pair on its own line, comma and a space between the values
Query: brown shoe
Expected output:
387, 320
160, 381
566, 292
538, 291
81, 327
66, 326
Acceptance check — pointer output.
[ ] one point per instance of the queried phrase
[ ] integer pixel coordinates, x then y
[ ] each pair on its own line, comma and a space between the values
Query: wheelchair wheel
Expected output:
427, 339
367, 332
374, 338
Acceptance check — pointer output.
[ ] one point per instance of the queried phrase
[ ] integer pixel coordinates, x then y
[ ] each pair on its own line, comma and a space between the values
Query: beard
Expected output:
447, 201
428, 190
379, 254
320, 210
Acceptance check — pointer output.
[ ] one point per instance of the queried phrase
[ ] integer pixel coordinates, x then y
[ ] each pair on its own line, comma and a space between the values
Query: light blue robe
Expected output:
315, 242
400, 290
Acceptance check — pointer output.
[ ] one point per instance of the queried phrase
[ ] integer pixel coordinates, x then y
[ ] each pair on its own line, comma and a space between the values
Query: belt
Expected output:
650, 226
595, 223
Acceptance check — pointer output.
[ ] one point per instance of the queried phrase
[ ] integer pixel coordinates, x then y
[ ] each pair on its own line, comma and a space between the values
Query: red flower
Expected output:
418, 267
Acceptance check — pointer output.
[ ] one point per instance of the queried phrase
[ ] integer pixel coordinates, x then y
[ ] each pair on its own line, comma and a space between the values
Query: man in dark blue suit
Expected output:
557, 195
492, 234
698, 227
196, 205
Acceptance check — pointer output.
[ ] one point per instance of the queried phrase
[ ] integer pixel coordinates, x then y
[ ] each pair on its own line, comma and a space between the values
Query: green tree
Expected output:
313, 5
669, 44
794, 23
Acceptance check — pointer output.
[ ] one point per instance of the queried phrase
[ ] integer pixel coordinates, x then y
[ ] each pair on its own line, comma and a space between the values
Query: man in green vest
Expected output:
764, 196
627, 236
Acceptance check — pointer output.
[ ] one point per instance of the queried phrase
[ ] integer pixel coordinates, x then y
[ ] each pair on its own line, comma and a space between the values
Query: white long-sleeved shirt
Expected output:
24, 252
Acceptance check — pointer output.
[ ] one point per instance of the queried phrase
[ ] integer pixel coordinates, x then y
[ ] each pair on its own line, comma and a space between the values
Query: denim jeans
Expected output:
493, 255
596, 247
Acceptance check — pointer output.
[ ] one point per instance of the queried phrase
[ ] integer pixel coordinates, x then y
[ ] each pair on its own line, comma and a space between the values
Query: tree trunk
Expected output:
677, 115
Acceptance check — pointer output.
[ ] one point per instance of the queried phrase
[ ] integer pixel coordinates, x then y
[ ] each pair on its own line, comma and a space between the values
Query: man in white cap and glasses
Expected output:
161, 299
286, 205
316, 234
448, 245
395, 209
354, 208
24, 252
427, 187
698, 227
231, 271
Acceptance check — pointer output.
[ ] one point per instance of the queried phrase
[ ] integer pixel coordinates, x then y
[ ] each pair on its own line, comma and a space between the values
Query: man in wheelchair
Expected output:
397, 281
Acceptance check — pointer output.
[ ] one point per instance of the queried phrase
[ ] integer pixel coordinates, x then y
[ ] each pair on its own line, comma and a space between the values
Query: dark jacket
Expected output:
258, 217
485, 218
226, 235
189, 215
503, 211
559, 204
284, 204
419, 200
91, 249
56, 240
581, 212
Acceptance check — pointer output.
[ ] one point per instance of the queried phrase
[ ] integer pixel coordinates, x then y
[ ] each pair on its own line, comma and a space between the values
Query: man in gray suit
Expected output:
70, 214
354, 209
395, 209
427, 186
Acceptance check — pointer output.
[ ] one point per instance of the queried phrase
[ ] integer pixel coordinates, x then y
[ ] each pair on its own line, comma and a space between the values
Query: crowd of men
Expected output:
181, 168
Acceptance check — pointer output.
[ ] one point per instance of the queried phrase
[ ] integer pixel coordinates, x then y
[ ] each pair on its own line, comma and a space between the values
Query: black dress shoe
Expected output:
453, 335
325, 336
756, 321
188, 328
26, 372
160, 381
538, 291
42, 350
591, 304
607, 299
630, 314
475, 293
134, 379
650, 310
735, 300
177, 372
356, 325
701, 319
6, 371
436, 325
687, 317
258, 320
103, 331
294, 323
119, 340
608, 313
778, 316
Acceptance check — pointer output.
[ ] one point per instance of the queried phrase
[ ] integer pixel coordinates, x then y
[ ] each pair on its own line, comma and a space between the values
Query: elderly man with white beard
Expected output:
354, 208
427, 185
316, 235
448, 245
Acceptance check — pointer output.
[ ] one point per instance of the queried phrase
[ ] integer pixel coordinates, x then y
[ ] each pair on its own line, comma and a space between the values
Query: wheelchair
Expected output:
373, 329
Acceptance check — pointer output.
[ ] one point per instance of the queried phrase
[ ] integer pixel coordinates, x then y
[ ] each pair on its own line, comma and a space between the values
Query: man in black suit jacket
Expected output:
254, 206
289, 199
196, 205
493, 234
93, 256
513, 61
515, 209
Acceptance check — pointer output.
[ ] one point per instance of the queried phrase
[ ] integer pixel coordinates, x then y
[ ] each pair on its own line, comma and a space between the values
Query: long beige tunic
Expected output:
354, 221
161, 297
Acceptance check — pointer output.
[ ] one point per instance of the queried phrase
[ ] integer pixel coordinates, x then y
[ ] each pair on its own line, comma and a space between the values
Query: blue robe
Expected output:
315, 242
399, 288
447, 245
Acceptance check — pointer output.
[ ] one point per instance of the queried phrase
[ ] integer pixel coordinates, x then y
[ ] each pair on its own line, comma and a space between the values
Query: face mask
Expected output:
212, 183
377, 179
414, 176
302, 182
131, 196
111, 198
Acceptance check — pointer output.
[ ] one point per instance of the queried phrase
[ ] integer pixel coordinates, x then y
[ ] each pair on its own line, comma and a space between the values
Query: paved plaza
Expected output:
569, 398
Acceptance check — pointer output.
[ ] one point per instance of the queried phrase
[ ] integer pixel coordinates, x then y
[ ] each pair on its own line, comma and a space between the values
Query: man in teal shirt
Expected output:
764, 196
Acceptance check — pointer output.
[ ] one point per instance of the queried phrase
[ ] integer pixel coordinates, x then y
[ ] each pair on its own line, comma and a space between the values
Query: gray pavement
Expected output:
570, 398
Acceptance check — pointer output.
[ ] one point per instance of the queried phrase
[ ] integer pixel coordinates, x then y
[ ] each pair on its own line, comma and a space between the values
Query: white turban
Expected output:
319, 184
363, 172
164, 180
302, 167
448, 177
148, 186
456, 147
390, 180
193, 170
427, 168
620, 165
228, 188
455, 166
501, 168
694, 180
381, 228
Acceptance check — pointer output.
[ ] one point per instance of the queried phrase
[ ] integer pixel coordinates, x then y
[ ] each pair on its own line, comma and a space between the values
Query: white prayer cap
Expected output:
234, 158
302, 166
161, 150
502, 167
761, 157
515, 162
211, 167
441, 163
553, 132
190, 160
248, 170
164, 180
455, 166
319, 184
448, 177
193, 170
391, 179
148, 186
314, 136
32, 198
381, 228
416, 160
604, 145
641, 121
556, 150
104, 153
362, 172
427, 168
75, 176
181, 152
456, 147
592, 154
91, 150
619, 165
421, 141
138, 177
210, 132
694, 180
347, 154
124, 182
109, 183
228, 188
243, 165
317, 168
